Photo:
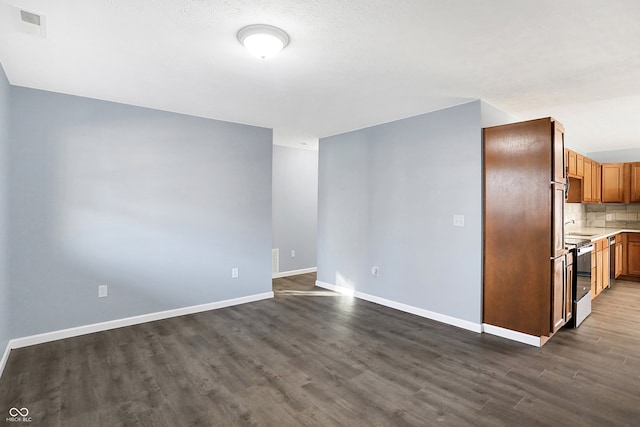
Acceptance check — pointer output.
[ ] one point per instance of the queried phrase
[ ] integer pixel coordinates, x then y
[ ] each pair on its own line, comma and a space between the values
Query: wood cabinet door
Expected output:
635, 182
598, 183
605, 265
594, 274
633, 254
559, 168
580, 165
602, 264
618, 258
572, 162
557, 224
612, 182
587, 182
558, 285
598, 284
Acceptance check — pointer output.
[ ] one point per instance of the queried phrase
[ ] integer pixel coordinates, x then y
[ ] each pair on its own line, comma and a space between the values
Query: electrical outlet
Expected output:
234, 273
102, 291
458, 220
293, 254
609, 217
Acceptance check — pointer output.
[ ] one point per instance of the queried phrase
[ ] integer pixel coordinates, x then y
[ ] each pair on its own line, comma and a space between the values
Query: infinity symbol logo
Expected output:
14, 412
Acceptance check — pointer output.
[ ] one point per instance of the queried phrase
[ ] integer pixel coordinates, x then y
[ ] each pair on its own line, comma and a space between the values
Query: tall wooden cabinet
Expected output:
524, 284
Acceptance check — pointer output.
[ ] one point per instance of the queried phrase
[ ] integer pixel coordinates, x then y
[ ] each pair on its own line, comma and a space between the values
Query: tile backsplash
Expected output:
616, 216
576, 212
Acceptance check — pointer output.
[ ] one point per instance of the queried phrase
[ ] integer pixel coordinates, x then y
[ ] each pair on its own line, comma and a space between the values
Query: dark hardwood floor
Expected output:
313, 357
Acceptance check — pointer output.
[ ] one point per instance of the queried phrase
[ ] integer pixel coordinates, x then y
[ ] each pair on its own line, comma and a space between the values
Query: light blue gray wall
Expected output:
616, 156
295, 206
5, 331
387, 197
159, 206
492, 116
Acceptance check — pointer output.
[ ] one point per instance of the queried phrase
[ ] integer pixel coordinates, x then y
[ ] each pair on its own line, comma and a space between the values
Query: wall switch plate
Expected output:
102, 291
375, 271
293, 254
458, 220
234, 273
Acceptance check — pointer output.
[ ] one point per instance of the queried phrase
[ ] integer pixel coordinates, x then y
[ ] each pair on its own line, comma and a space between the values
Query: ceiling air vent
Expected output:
30, 18
32, 23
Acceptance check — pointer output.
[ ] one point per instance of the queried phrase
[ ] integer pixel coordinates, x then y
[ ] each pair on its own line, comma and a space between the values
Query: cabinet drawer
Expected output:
633, 237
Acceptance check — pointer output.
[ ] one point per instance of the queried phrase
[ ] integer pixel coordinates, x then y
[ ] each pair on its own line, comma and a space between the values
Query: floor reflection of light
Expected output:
344, 285
312, 293
346, 288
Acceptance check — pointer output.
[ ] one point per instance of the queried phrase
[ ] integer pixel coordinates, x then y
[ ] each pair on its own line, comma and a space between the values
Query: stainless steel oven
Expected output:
582, 283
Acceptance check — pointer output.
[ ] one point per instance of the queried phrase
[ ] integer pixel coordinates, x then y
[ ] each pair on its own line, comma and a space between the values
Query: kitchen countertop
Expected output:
595, 233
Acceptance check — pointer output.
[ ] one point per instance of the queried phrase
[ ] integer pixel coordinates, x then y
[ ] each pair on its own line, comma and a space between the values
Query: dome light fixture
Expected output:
264, 41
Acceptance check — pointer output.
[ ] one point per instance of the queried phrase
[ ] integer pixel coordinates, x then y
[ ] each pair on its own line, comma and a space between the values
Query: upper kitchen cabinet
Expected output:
612, 182
602, 183
575, 164
579, 165
596, 177
571, 161
584, 177
585, 185
524, 181
591, 187
634, 182
621, 182
587, 182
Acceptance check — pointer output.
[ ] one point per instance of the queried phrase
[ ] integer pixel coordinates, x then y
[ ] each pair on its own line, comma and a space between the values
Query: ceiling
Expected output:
350, 63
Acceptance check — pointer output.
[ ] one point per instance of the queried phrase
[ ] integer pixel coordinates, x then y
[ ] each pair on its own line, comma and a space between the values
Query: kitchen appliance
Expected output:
581, 285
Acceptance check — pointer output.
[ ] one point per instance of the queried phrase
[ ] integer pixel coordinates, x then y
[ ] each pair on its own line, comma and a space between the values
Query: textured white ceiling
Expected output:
350, 63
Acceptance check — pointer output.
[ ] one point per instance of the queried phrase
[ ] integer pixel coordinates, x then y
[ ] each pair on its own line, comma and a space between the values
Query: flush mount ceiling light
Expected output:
264, 41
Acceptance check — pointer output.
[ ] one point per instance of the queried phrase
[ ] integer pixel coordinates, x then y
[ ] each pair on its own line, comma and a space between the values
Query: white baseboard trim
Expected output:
443, 318
513, 335
129, 321
5, 358
294, 272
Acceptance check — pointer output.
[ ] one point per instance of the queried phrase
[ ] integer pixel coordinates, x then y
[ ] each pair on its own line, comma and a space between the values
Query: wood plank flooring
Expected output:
313, 357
